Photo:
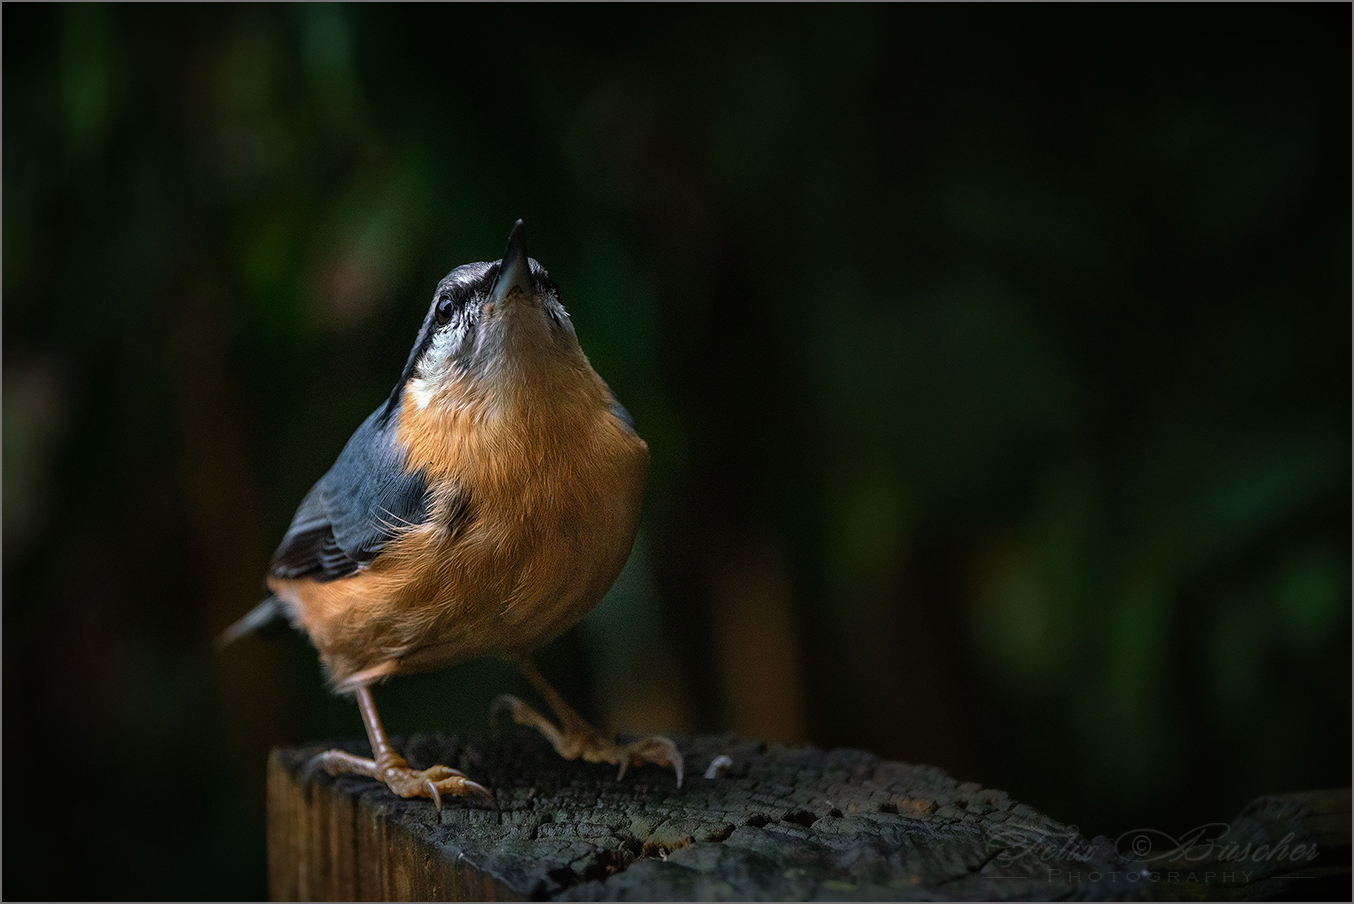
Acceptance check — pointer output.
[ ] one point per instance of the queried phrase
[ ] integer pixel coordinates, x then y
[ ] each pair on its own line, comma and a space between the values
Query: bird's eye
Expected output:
445, 304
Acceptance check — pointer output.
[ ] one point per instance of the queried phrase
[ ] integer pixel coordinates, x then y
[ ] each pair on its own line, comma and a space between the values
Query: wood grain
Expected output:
780, 823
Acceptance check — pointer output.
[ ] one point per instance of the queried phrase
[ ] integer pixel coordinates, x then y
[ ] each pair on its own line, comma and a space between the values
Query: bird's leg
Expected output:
574, 738
389, 767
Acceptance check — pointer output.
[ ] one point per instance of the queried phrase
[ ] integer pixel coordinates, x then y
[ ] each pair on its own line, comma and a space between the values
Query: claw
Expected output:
658, 751
436, 795
481, 792
625, 764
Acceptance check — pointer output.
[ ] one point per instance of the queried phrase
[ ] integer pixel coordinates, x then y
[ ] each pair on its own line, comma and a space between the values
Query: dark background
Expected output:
995, 364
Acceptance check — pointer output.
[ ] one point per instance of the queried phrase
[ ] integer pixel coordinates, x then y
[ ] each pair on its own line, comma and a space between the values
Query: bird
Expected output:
482, 509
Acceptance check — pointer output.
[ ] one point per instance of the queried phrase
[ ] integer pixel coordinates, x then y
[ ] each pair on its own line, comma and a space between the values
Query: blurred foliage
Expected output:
995, 364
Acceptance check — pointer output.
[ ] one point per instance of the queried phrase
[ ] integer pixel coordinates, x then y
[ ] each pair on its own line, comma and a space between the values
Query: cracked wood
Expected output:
775, 823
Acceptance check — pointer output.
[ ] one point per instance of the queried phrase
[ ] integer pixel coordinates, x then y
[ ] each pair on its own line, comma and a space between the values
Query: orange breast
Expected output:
554, 494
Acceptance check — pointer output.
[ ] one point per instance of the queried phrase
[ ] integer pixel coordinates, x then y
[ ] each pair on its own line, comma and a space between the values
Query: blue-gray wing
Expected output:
364, 501
619, 412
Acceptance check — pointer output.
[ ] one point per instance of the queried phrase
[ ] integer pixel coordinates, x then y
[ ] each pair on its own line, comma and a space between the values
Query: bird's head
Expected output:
494, 329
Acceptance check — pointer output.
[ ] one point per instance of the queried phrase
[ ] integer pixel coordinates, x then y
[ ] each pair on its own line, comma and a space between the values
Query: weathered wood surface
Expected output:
778, 824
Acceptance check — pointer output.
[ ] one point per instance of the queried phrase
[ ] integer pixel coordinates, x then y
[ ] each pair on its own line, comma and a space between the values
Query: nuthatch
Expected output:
484, 508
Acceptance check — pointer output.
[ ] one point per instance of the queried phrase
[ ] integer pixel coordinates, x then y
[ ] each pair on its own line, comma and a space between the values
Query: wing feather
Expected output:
362, 503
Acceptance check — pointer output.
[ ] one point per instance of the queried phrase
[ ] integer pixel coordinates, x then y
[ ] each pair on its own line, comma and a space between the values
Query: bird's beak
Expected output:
514, 272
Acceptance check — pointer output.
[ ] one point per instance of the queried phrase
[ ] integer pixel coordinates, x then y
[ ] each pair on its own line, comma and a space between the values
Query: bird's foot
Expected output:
579, 740
654, 749
400, 777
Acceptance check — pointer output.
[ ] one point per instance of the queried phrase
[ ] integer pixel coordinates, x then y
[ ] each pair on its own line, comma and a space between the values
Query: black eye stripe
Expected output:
454, 295
450, 302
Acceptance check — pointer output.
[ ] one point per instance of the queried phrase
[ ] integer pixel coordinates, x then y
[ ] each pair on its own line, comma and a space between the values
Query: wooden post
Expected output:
775, 824
327, 843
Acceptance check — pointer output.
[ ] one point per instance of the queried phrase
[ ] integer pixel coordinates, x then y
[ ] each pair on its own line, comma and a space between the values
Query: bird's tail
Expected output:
265, 614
